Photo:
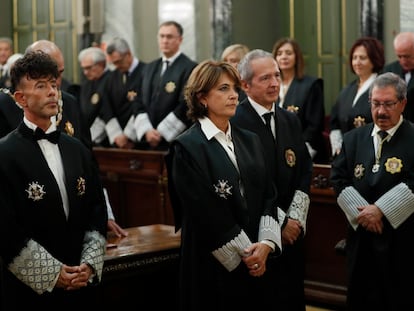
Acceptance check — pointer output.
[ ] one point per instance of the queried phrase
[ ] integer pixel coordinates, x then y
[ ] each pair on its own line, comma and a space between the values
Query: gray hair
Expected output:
390, 79
119, 45
245, 68
97, 54
7, 40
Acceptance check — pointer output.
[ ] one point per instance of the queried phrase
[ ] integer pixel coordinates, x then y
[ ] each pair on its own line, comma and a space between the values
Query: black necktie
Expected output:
164, 67
383, 135
53, 137
268, 117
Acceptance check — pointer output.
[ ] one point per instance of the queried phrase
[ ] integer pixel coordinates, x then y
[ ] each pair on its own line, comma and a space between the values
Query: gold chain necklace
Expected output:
375, 167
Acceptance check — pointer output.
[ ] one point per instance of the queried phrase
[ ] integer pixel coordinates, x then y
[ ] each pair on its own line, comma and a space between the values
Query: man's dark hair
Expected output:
33, 65
175, 24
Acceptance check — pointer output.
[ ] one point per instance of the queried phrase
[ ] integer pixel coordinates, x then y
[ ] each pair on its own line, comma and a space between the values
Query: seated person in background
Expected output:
351, 109
302, 94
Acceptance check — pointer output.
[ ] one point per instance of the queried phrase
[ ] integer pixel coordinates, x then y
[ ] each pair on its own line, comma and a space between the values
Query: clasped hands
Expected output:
74, 277
370, 218
255, 258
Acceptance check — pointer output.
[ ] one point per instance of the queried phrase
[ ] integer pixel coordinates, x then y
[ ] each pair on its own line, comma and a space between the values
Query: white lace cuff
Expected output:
299, 207
170, 127
229, 255
93, 252
36, 267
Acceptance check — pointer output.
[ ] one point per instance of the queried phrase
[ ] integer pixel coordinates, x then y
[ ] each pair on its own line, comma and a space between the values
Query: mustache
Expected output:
382, 117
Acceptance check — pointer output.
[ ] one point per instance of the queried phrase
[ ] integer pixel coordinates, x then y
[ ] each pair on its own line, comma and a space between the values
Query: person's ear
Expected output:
244, 85
20, 98
403, 103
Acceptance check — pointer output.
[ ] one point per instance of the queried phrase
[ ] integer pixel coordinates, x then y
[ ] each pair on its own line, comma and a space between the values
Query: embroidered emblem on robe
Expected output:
170, 87
393, 165
359, 171
292, 108
290, 157
95, 99
81, 186
223, 189
35, 191
132, 95
359, 121
69, 128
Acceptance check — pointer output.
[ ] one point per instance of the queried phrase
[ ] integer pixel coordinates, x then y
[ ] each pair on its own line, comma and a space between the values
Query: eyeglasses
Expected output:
87, 68
386, 105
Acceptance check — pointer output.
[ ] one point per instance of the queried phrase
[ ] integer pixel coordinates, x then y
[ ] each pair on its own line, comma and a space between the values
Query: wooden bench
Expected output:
142, 269
137, 186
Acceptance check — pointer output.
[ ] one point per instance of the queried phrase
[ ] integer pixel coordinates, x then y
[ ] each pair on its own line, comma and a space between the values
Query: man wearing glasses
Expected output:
162, 113
122, 93
373, 177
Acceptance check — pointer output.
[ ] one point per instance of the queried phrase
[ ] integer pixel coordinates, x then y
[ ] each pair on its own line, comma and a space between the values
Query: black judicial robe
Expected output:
305, 97
208, 221
121, 98
10, 114
92, 96
24, 215
378, 265
288, 178
162, 95
344, 116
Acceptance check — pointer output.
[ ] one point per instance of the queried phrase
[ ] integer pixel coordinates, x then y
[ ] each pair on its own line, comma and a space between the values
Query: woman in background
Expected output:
352, 109
233, 55
303, 95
